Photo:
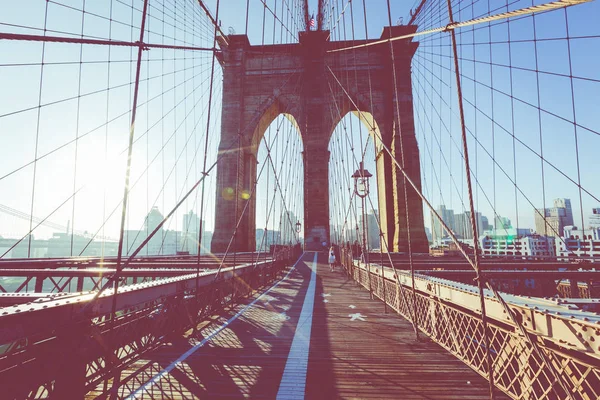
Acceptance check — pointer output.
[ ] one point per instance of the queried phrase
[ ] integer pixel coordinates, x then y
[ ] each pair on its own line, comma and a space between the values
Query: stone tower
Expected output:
262, 82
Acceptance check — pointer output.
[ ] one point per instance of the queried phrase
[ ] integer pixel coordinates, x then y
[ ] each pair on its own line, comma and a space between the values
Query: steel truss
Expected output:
65, 346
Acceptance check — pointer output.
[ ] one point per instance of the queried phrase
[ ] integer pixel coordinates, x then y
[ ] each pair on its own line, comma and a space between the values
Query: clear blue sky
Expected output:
58, 123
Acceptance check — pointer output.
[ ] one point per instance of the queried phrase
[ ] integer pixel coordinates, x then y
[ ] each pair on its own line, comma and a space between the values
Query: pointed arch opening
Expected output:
356, 138
278, 204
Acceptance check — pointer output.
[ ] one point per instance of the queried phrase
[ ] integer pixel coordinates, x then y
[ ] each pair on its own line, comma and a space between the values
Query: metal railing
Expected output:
64, 346
18, 277
448, 313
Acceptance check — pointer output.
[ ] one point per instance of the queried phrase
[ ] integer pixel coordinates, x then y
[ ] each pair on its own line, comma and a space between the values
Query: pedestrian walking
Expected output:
331, 259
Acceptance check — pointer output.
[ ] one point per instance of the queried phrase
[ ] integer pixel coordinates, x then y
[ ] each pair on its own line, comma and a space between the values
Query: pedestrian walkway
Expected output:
314, 335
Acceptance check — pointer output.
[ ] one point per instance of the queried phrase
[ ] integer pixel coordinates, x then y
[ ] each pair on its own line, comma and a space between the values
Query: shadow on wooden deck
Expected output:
356, 351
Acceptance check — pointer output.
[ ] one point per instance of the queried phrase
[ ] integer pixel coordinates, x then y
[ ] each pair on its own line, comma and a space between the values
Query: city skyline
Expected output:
557, 218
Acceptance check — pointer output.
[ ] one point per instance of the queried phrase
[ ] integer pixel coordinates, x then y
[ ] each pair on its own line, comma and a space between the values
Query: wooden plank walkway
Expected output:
356, 351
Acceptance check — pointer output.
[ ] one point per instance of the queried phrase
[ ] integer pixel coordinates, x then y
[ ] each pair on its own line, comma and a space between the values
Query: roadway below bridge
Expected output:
312, 334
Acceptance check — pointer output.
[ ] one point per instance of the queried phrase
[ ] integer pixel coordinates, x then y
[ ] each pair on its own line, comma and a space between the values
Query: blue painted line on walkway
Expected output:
293, 381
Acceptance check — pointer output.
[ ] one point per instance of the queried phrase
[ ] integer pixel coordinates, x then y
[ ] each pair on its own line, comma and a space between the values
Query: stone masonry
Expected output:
262, 82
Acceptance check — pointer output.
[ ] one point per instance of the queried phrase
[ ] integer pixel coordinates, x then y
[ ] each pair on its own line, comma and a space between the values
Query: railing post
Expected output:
384, 290
369, 279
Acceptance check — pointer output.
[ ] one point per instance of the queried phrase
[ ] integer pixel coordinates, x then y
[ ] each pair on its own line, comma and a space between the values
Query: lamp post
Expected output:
298, 227
361, 189
361, 181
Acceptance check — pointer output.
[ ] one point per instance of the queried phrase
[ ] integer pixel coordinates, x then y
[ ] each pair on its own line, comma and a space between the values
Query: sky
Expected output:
78, 150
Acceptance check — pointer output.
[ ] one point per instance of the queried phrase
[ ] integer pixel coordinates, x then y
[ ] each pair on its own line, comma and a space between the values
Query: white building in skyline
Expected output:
580, 243
517, 246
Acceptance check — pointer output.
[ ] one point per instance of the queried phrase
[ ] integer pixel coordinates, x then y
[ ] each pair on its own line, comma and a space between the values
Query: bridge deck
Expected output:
355, 350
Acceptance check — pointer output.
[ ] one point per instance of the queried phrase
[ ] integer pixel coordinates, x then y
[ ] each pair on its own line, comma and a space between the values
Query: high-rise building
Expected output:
163, 242
463, 226
485, 224
566, 204
552, 221
502, 223
437, 231
189, 234
190, 223
288, 227
153, 219
373, 230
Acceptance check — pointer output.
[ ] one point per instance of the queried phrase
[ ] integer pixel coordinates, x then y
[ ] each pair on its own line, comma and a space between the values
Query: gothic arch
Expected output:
382, 166
277, 108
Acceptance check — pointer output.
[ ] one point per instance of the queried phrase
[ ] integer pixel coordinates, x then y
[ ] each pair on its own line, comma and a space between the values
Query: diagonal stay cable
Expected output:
456, 25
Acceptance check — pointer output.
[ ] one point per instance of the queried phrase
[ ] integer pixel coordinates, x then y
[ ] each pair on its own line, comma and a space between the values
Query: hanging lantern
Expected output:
361, 181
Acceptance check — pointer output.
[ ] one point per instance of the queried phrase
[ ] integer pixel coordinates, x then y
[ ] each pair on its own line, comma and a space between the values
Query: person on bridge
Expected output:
332, 259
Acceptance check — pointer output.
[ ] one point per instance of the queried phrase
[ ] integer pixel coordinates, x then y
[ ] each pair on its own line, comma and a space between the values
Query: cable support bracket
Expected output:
450, 26
142, 45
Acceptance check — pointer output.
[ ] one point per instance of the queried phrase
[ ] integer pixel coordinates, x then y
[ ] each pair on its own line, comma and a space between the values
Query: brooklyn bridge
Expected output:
299, 199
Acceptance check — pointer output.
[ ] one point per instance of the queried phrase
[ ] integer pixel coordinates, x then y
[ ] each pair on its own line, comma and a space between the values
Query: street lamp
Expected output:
361, 181
298, 225
361, 189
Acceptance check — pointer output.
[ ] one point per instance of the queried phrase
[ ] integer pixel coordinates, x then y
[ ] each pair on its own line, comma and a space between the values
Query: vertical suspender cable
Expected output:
204, 172
484, 322
127, 175
129, 153
398, 121
37, 137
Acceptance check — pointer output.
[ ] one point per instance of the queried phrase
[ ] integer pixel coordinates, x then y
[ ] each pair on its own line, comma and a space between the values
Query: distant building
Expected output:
514, 244
449, 248
485, 224
288, 227
38, 248
437, 230
206, 240
551, 221
264, 242
189, 233
501, 223
153, 219
579, 243
346, 233
190, 223
164, 242
463, 227
566, 204
373, 230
